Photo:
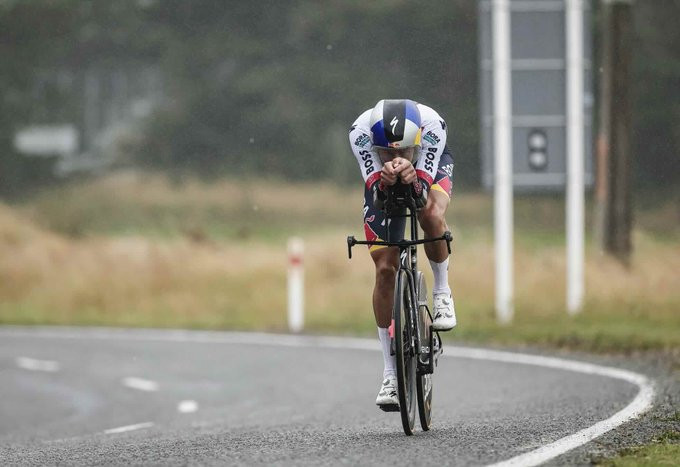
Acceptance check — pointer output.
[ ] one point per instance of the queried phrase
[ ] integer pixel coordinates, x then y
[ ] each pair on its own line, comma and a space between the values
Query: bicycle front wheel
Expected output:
405, 350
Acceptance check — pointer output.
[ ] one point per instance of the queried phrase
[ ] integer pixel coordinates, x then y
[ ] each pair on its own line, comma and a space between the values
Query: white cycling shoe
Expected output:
444, 312
387, 398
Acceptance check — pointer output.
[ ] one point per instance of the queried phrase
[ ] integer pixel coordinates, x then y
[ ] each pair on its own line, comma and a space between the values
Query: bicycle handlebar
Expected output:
351, 241
399, 196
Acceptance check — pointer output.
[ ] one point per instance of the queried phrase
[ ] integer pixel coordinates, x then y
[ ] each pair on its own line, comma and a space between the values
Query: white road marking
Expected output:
140, 384
188, 406
32, 364
123, 429
640, 404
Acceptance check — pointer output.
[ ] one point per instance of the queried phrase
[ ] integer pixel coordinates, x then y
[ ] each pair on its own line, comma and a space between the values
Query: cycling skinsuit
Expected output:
434, 168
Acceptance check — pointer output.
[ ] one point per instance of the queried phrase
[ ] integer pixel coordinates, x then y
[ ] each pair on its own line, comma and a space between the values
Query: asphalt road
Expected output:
85, 397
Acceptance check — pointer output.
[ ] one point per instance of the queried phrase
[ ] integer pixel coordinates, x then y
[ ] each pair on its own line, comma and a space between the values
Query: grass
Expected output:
664, 450
131, 203
137, 250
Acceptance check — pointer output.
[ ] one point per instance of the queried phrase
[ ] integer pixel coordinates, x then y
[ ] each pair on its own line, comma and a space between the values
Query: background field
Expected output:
134, 249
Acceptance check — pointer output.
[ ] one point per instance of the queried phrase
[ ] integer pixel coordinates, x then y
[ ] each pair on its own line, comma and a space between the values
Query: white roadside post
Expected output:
296, 278
575, 156
502, 104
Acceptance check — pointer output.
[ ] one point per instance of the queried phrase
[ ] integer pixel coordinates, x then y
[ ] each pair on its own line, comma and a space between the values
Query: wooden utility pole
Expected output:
613, 215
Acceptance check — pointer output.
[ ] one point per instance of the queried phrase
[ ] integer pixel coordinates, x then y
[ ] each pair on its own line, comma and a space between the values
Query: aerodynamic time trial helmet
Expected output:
395, 124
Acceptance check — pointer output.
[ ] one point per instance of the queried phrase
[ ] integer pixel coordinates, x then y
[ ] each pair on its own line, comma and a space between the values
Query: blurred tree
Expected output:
270, 87
43, 44
656, 84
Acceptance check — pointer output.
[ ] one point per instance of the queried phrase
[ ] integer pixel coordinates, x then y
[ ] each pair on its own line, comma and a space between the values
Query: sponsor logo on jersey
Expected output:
362, 140
447, 169
431, 138
368, 164
429, 164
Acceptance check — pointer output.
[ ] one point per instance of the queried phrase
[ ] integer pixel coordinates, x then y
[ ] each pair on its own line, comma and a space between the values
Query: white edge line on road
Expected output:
640, 404
33, 364
140, 384
123, 429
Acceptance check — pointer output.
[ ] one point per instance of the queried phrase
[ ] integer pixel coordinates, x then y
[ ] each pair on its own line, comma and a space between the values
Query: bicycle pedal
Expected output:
389, 407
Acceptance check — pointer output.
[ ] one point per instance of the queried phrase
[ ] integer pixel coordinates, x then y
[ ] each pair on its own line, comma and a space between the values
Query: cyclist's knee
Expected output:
385, 265
385, 272
431, 217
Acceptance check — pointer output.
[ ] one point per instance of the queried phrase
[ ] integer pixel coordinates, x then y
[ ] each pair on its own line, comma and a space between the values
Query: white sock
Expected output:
390, 368
441, 276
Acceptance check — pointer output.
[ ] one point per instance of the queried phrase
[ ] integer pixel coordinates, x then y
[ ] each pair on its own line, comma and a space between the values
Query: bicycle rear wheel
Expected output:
424, 381
405, 351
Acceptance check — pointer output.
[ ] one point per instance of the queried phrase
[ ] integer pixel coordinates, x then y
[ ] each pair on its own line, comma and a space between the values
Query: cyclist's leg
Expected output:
386, 262
432, 217
386, 259
432, 220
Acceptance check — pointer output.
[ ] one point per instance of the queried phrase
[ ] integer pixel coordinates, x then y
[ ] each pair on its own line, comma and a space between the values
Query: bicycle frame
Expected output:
396, 204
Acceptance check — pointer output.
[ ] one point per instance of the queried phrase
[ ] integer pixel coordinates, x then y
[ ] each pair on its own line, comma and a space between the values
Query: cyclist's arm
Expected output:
367, 158
433, 141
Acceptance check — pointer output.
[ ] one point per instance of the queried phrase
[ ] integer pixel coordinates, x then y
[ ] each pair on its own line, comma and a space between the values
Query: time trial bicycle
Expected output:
414, 343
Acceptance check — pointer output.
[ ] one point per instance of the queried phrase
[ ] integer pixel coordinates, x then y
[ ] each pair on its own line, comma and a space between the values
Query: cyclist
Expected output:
401, 140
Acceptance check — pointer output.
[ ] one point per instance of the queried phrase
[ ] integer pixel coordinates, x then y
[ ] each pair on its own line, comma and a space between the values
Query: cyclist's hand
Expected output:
405, 169
388, 176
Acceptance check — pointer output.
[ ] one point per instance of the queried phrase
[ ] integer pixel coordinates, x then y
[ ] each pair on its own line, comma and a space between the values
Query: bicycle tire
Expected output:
405, 356
424, 381
424, 386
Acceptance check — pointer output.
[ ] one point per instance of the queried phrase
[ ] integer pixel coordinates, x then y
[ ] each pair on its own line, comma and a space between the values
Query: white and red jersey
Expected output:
433, 141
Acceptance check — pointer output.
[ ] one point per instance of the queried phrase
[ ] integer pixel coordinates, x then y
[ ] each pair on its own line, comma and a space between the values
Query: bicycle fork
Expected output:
411, 326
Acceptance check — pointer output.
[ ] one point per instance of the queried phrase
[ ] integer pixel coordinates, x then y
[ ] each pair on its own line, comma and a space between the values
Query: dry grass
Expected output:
188, 280
137, 203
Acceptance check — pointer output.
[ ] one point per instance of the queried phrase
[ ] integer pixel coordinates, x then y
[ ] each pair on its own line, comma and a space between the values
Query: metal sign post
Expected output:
502, 106
536, 118
575, 156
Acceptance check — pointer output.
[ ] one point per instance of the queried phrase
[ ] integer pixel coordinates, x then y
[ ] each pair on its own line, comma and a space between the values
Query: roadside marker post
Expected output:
296, 279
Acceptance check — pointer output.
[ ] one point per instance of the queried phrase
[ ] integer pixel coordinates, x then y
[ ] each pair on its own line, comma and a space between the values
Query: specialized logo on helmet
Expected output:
393, 124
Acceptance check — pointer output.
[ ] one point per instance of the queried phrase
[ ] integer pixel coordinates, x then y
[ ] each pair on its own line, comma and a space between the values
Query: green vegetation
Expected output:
665, 450
139, 250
